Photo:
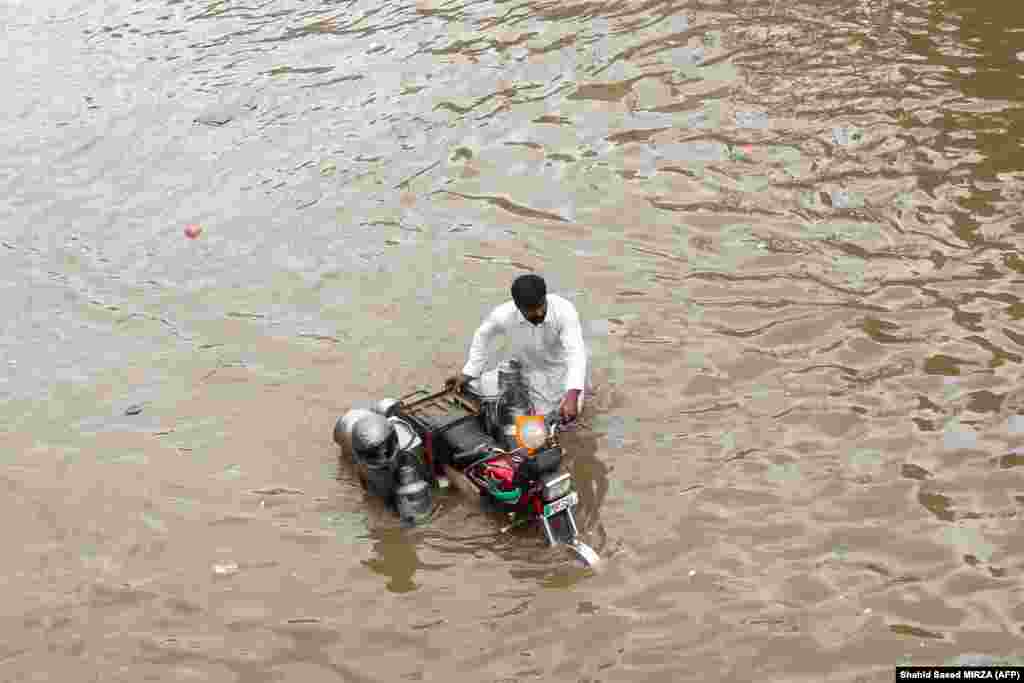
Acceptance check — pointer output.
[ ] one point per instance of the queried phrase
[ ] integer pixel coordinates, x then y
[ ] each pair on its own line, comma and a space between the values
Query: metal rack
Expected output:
439, 411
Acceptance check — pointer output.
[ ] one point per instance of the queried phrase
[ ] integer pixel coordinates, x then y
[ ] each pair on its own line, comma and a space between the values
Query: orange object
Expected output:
529, 425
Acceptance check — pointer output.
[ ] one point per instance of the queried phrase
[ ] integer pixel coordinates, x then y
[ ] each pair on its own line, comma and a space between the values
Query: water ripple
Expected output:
792, 231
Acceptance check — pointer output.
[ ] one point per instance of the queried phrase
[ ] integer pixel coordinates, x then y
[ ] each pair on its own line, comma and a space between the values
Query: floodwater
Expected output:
793, 231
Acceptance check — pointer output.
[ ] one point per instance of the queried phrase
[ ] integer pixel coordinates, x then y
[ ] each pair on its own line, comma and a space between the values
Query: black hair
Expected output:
529, 291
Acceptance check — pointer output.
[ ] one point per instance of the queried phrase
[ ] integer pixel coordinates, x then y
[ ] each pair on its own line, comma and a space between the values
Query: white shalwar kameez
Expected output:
553, 357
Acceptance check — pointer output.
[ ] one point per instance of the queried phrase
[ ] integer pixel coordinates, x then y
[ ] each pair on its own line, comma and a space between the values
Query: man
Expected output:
545, 335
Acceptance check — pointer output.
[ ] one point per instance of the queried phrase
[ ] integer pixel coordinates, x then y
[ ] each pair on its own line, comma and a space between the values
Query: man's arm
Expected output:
576, 358
483, 340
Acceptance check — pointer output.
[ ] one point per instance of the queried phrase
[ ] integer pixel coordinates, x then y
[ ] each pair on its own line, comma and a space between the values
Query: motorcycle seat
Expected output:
464, 440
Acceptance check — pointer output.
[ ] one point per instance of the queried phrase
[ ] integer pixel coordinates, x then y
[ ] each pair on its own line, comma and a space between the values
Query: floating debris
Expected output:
741, 153
225, 568
277, 491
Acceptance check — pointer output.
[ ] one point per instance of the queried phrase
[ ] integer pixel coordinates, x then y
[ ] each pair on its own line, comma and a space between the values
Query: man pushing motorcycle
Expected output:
545, 336
399, 448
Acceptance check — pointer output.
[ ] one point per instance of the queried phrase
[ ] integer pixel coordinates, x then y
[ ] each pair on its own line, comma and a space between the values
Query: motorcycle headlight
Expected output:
531, 433
556, 487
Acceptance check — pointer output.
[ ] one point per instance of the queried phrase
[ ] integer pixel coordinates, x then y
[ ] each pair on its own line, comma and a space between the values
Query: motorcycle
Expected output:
485, 433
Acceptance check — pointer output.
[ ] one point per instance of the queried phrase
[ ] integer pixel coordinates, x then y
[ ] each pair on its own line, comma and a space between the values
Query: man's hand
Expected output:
569, 409
458, 381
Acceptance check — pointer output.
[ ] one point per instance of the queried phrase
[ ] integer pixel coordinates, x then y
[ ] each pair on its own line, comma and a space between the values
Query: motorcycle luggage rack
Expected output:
429, 412
443, 400
412, 393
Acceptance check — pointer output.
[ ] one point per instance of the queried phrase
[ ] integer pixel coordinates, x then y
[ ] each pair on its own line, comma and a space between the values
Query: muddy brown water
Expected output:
794, 233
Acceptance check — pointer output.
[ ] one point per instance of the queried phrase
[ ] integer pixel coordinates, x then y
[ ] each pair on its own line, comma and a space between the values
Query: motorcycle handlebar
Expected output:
554, 419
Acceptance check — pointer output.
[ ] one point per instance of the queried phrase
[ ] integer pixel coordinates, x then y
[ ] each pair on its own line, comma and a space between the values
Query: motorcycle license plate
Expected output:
561, 504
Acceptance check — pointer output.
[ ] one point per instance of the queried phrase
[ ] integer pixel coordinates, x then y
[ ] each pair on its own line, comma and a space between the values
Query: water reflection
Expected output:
799, 220
590, 475
396, 557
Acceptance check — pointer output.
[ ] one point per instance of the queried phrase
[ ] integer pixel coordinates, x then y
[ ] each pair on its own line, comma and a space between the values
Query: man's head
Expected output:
530, 294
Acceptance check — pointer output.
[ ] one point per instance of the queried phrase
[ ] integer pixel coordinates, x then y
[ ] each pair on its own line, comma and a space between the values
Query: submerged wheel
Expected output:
584, 554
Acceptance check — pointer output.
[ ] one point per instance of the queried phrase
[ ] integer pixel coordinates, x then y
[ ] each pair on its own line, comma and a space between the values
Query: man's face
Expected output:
535, 315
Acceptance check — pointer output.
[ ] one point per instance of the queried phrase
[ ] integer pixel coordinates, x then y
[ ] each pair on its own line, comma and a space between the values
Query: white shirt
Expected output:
552, 354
